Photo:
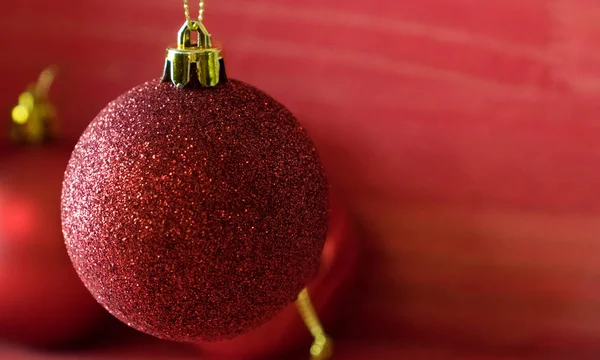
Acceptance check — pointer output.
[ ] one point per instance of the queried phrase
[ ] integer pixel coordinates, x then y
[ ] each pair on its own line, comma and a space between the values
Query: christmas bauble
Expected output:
195, 213
42, 301
330, 289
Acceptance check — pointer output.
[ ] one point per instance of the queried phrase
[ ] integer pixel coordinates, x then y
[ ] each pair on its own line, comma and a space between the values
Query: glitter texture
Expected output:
195, 214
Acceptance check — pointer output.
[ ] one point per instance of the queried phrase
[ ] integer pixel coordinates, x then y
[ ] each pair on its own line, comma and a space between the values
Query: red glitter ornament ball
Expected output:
195, 214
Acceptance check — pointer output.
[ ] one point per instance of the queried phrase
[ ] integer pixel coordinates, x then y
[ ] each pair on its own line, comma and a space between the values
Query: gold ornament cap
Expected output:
190, 63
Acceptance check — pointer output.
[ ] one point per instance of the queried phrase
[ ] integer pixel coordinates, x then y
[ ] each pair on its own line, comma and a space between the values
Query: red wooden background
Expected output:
463, 134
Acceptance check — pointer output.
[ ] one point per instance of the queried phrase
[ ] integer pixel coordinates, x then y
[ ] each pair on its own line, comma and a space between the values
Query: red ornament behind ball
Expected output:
42, 301
195, 214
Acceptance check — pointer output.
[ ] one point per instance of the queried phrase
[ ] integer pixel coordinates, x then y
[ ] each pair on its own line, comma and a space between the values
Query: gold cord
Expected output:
322, 347
191, 23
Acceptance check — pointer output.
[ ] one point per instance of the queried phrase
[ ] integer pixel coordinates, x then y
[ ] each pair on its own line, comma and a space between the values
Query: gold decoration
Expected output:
33, 119
188, 61
322, 347
201, 61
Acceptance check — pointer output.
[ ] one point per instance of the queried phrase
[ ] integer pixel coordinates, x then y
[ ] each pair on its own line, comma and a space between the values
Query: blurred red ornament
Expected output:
329, 290
42, 301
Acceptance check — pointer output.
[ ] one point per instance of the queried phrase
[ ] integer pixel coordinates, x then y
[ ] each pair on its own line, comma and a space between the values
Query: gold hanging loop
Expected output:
189, 63
194, 63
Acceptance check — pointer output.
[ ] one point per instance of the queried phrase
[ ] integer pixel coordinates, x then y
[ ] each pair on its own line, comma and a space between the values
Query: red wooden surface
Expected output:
463, 134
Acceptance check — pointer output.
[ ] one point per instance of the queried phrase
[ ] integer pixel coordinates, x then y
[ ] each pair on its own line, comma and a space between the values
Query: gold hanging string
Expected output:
322, 347
191, 23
